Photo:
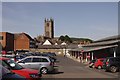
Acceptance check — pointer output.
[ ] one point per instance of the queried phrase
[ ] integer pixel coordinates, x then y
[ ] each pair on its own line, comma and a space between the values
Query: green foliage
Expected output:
62, 38
65, 38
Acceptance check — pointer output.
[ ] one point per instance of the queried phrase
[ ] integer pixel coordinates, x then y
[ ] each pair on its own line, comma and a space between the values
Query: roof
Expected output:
51, 46
109, 38
16, 35
63, 43
111, 42
88, 49
47, 42
98, 48
5, 32
72, 46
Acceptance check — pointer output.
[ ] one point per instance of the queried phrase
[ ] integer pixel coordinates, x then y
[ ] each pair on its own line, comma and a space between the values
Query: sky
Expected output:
94, 20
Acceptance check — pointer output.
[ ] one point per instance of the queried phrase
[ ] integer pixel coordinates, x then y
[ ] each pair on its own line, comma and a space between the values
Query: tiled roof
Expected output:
16, 35
88, 49
51, 46
109, 38
111, 42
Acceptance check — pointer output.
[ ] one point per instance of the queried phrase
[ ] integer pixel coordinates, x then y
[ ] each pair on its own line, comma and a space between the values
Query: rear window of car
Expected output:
44, 60
117, 59
114, 59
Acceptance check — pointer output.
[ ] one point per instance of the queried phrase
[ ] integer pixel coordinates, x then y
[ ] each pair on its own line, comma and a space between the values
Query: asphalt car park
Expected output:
65, 67
68, 68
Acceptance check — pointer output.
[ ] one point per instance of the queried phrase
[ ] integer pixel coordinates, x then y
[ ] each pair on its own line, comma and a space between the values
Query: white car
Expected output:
43, 64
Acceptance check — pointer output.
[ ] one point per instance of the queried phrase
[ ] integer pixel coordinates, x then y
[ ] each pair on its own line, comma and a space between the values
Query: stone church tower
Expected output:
49, 28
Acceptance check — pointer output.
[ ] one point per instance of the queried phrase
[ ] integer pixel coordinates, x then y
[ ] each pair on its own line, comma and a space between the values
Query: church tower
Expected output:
49, 28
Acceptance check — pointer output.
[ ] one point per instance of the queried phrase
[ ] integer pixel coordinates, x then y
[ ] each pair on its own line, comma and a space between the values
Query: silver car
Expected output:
44, 64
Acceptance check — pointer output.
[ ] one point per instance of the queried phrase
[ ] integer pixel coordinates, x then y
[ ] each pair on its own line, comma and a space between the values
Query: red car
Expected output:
99, 63
30, 74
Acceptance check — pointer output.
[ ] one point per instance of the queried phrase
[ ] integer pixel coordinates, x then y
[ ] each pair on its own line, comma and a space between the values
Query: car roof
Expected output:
112, 57
36, 57
3, 58
101, 58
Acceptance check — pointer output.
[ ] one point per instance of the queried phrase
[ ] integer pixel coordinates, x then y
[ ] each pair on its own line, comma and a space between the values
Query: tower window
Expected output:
47, 24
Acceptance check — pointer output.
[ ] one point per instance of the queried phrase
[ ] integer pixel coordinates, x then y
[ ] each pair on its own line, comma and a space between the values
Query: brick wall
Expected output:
7, 41
21, 43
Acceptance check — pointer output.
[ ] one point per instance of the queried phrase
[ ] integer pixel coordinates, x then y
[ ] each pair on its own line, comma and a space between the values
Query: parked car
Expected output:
44, 64
91, 63
19, 57
51, 54
30, 74
12, 57
6, 74
53, 58
99, 63
112, 64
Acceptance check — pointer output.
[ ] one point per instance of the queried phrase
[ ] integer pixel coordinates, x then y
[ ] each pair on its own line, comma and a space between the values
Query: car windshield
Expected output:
93, 60
4, 71
104, 61
12, 64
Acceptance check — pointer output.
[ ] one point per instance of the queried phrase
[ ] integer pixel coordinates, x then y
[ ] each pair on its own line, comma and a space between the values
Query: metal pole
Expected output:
92, 55
114, 52
86, 57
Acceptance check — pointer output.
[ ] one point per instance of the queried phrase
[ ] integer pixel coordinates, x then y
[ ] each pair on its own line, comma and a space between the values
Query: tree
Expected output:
62, 38
65, 38
68, 39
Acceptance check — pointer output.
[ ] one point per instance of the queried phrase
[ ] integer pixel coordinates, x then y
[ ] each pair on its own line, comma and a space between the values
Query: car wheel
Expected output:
99, 67
93, 66
90, 66
44, 71
113, 69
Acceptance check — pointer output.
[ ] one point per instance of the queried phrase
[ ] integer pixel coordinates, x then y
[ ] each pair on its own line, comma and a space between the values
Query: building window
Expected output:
47, 24
1, 37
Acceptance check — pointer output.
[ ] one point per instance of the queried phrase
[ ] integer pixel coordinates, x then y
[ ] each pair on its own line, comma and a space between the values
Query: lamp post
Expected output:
114, 52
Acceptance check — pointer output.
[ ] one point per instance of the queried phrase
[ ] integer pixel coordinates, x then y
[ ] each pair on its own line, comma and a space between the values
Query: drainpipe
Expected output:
86, 57
114, 53
92, 55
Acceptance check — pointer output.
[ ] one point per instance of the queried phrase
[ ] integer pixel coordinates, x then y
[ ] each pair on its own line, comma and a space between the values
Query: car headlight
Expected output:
34, 75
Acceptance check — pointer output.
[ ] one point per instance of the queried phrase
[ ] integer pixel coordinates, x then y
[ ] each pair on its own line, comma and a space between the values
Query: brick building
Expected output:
18, 41
23, 41
7, 41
